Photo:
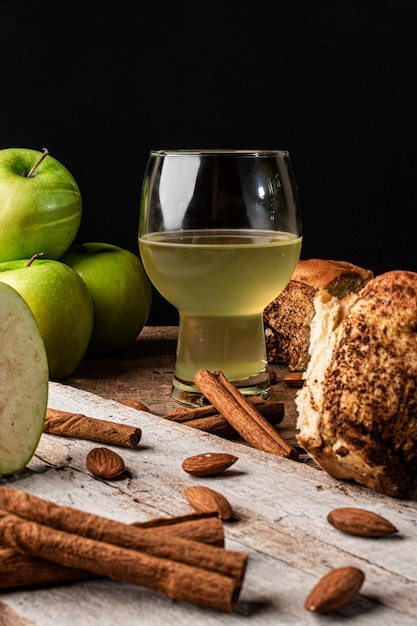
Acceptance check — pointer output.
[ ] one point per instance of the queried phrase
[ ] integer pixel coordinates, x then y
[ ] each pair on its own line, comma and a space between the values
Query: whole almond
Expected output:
206, 500
104, 463
360, 522
335, 589
136, 404
208, 464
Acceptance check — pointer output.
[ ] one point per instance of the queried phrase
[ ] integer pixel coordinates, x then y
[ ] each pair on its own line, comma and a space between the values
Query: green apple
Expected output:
120, 290
23, 382
40, 210
61, 305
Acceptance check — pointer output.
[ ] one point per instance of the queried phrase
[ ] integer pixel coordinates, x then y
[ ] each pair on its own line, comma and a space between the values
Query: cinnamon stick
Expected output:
294, 379
83, 427
244, 417
174, 579
211, 421
19, 570
204, 527
215, 425
185, 415
193, 553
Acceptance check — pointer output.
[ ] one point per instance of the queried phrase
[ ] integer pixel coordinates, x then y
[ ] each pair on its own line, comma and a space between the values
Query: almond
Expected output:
360, 522
136, 404
206, 500
335, 589
104, 463
208, 464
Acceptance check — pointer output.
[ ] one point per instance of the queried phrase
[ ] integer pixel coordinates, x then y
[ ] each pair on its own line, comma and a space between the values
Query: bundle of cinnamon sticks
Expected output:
211, 420
243, 415
183, 558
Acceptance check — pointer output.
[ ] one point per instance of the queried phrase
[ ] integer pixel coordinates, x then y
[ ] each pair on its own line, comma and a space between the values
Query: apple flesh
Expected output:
23, 382
40, 213
61, 305
120, 290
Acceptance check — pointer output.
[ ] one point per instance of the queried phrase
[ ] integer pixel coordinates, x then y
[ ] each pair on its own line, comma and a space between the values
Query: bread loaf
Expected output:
287, 318
357, 411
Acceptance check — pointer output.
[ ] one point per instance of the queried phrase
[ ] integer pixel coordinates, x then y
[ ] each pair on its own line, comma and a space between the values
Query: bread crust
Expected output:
366, 426
337, 277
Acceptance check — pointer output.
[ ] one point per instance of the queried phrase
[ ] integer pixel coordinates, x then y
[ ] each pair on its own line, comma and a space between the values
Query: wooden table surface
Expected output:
280, 509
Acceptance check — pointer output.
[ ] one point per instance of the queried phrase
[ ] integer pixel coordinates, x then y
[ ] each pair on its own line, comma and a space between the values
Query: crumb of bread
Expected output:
325, 324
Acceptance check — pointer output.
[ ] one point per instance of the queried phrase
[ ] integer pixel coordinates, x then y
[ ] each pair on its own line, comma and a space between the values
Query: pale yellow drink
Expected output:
220, 282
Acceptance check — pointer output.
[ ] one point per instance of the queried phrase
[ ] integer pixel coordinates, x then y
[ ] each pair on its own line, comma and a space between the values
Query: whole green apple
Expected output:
61, 305
40, 205
120, 290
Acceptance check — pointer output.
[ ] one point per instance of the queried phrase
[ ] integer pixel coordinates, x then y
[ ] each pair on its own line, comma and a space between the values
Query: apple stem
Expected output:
45, 152
33, 258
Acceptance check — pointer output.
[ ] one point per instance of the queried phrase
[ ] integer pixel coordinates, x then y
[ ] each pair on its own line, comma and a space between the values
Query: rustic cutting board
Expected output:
280, 509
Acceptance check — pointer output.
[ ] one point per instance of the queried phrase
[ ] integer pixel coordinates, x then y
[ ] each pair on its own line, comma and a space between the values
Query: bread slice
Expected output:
287, 318
287, 325
357, 411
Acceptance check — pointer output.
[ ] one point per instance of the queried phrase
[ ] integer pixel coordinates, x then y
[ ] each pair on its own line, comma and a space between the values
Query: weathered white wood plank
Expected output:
280, 506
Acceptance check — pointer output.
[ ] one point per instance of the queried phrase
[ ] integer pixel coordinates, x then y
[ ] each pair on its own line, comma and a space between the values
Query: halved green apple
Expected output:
23, 382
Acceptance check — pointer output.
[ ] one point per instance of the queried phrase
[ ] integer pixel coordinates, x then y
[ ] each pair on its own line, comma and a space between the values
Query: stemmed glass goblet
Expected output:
219, 237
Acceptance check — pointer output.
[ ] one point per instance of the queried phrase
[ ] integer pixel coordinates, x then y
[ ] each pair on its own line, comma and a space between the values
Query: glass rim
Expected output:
218, 151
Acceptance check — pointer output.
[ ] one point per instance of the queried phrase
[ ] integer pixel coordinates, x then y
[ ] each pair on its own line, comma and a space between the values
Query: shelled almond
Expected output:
136, 404
335, 589
105, 463
208, 464
204, 499
360, 522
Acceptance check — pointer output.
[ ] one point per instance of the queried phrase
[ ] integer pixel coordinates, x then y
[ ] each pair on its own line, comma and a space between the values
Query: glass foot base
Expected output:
189, 395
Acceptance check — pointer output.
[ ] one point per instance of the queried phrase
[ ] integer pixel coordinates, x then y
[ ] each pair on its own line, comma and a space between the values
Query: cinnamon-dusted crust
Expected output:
358, 407
287, 318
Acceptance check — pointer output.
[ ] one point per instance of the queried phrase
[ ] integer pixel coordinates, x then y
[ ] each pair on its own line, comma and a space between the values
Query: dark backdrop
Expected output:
102, 83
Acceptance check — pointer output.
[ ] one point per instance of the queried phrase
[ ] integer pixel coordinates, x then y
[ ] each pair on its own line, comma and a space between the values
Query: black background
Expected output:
100, 84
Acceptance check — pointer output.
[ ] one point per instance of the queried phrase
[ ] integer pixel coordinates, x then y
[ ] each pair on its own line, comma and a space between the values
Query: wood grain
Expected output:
280, 521
144, 372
